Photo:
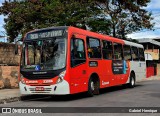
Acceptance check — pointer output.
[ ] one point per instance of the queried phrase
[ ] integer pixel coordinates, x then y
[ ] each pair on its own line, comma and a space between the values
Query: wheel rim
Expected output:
92, 86
132, 82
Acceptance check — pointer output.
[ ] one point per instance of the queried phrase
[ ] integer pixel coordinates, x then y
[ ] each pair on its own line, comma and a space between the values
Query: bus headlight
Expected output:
61, 76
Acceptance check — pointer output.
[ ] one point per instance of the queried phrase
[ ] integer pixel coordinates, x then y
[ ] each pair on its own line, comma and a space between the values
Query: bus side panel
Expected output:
78, 79
107, 75
139, 67
124, 77
118, 79
101, 70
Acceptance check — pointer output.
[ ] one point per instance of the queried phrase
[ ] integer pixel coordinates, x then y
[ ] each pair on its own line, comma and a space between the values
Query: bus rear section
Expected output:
137, 60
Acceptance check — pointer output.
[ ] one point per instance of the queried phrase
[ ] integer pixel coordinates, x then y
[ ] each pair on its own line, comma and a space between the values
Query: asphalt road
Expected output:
145, 94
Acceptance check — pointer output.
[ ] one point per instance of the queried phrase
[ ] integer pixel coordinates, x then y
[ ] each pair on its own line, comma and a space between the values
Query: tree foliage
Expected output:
113, 17
126, 16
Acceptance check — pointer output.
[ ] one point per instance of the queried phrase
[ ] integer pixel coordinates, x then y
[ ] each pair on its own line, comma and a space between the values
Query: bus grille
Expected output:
46, 90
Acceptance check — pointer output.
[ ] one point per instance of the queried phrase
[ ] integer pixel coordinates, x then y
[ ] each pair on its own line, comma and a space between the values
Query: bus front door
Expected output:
78, 70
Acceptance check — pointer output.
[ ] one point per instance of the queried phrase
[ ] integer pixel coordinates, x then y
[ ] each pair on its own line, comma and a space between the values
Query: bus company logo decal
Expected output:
105, 83
48, 81
31, 81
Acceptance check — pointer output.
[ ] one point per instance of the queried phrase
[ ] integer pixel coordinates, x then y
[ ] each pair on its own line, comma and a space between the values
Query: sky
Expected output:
153, 6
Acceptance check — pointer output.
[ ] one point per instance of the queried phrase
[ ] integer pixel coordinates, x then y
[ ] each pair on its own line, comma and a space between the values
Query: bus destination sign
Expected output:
46, 34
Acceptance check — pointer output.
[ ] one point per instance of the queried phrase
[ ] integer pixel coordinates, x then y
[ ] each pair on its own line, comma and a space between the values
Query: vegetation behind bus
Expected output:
113, 17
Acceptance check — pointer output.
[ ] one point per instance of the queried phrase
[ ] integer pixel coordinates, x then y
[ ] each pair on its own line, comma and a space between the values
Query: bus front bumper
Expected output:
56, 89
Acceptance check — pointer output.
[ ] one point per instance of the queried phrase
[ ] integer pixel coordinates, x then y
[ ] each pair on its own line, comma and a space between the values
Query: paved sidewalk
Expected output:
152, 78
11, 95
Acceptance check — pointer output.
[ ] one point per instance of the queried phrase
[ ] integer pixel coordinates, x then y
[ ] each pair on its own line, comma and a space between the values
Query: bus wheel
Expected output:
93, 87
132, 81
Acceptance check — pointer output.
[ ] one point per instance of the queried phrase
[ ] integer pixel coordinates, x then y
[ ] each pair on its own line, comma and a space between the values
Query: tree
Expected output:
27, 15
126, 16
113, 17
22, 16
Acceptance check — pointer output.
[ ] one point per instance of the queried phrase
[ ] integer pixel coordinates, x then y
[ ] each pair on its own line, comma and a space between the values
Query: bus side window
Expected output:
141, 54
77, 52
127, 52
134, 51
94, 48
107, 49
118, 51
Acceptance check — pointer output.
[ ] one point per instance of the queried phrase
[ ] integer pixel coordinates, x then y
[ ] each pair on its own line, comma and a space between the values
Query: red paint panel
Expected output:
150, 71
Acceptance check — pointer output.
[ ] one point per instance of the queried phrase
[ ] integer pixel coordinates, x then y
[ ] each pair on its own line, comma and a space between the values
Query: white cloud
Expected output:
154, 4
146, 34
154, 7
157, 21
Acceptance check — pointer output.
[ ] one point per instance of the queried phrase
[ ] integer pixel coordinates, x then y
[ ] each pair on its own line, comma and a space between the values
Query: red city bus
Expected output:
69, 60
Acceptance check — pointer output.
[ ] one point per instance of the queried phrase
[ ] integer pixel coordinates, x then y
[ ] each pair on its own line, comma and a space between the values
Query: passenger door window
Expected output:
77, 52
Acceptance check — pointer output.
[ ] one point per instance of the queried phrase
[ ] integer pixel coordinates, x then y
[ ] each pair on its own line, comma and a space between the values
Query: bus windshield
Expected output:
44, 54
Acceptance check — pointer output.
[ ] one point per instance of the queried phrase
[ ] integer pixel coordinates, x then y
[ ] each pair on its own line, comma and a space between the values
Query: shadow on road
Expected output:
116, 88
74, 96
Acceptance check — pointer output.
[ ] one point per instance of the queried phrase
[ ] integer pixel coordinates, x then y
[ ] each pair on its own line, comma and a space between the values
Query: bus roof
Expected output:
133, 44
92, 34
48, 28
95, 35
110, 38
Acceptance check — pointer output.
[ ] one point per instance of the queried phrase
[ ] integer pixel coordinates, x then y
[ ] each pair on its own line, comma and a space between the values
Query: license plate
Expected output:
39, 88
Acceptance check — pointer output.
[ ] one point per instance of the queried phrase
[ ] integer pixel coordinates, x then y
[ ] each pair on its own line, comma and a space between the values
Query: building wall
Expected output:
9, 62
154, 53
8, 56
8, 77
158, 69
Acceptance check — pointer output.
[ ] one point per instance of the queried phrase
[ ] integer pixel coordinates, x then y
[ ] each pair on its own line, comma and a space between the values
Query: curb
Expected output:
151, 78
9, 100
